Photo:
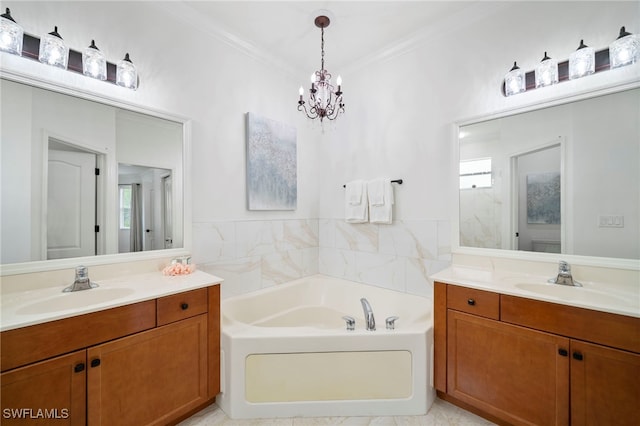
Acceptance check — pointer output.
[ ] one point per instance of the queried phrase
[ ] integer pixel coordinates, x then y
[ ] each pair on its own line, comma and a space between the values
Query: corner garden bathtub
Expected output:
286, 352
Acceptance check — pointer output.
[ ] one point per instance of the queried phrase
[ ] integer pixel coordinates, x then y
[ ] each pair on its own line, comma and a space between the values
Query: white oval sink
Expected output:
74, 300
576, 294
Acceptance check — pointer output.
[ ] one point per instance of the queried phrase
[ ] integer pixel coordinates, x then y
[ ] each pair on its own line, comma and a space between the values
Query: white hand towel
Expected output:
356, 213
375, 191
354, 192
381, 213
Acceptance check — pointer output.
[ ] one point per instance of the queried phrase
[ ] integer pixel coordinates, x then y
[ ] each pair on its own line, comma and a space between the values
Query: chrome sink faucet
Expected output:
564, 276
82, 281
368, 315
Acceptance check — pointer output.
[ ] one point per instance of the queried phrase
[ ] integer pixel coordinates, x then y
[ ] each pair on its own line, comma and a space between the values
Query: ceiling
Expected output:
286, 30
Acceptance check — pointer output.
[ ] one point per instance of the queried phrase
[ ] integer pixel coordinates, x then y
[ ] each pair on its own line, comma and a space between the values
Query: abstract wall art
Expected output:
271, 164
543, 198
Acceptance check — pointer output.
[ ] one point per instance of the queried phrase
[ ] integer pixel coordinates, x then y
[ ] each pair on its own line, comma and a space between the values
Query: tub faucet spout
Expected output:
368, 315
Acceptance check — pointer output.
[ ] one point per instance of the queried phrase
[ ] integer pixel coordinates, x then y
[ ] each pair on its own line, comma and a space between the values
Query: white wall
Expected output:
401, 110
186, 71
398, 123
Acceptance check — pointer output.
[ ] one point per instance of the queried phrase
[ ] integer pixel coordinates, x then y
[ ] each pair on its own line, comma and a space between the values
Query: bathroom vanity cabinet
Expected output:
148, 363
523, 361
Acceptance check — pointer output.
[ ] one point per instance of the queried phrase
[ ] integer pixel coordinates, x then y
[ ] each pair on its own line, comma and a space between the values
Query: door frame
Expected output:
514, 192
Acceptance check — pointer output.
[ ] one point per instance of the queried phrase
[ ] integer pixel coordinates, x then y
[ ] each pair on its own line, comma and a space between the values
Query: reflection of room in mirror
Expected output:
41, 131
593, 148
144, 208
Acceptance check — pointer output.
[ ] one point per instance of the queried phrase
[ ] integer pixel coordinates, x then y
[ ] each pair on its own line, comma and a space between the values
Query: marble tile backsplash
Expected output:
251, 255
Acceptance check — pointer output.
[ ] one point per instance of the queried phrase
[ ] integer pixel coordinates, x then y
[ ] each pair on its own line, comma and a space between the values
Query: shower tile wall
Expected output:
251, 255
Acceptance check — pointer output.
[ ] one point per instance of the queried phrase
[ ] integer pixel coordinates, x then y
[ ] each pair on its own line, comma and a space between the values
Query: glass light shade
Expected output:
625, 50
514, 81
53, 50
11, 34
94, 63
546, 72
582, 62
126, 74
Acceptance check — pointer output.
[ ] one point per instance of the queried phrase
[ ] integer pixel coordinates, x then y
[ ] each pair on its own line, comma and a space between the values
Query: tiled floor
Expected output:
441, 413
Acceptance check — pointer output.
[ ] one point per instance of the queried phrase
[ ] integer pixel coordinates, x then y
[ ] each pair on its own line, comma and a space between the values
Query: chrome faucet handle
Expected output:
391, 322
351, 322
564, 267
81, 281
82, 273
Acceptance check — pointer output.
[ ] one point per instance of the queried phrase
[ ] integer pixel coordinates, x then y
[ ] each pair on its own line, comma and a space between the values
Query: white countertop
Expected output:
623, 299
24, 308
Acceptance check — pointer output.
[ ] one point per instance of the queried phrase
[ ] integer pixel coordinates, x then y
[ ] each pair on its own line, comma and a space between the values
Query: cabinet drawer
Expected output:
618, 331
472, 301
182, 305
34, 343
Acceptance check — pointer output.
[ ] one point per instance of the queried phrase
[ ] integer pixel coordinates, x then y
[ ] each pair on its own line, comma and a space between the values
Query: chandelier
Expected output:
324, 100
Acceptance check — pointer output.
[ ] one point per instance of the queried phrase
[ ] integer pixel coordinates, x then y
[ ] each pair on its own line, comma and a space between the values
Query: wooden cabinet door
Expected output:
513, 373
149, 378
51, 392
605, 385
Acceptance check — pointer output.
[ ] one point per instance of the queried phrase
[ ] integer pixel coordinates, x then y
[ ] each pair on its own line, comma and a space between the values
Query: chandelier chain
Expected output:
322, 46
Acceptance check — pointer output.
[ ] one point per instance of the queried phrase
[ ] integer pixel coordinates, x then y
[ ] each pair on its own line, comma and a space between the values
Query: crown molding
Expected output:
476, 11
192, 18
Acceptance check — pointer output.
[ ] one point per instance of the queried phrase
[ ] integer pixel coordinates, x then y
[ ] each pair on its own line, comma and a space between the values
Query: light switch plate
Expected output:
611, 221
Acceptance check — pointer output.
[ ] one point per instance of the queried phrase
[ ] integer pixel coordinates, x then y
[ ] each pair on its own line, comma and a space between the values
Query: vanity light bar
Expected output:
602, 64
625, 51
31, 49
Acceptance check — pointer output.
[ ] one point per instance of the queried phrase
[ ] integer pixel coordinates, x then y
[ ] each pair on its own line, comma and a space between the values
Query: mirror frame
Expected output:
456, 248
55, 264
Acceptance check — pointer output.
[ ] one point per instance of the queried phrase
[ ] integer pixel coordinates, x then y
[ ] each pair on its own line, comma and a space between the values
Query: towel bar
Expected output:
398, 181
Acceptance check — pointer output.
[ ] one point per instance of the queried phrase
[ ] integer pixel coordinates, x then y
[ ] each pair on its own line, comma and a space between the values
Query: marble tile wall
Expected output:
480, 218
255, 254
251, 255
399, 256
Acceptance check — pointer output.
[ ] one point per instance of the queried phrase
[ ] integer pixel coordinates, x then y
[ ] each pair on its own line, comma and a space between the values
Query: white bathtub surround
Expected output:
310, 365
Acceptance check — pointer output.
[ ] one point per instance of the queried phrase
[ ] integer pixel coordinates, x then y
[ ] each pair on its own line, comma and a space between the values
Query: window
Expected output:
475, 173
125, 206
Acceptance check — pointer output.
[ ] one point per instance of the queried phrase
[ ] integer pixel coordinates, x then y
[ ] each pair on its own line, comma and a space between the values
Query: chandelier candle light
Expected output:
324, 100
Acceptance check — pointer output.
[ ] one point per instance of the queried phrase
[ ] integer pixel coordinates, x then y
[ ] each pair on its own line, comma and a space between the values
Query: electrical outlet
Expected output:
611, 221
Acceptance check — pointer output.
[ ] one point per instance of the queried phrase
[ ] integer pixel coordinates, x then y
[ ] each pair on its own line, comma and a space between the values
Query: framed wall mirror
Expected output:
87, 179
560, 179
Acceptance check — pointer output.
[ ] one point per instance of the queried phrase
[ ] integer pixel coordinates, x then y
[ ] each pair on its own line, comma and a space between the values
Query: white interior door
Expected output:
71, 204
